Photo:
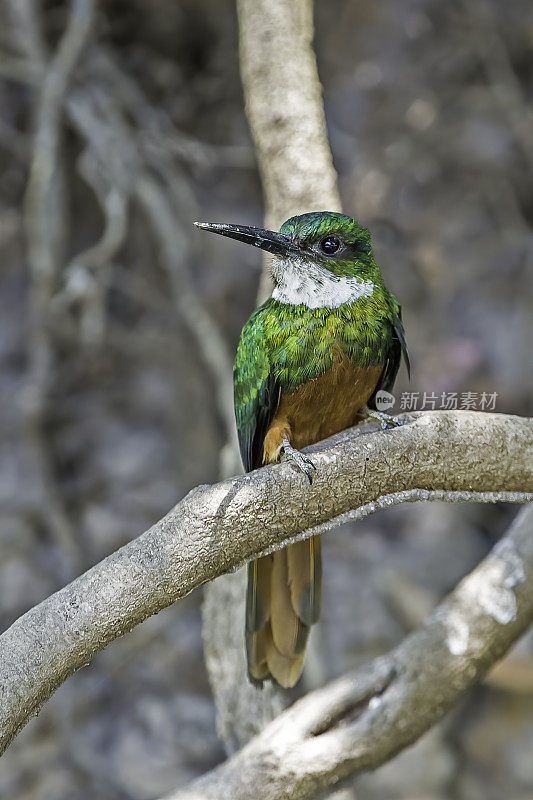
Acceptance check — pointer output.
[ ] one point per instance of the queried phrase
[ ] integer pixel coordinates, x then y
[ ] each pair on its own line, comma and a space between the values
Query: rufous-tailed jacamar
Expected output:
309, 363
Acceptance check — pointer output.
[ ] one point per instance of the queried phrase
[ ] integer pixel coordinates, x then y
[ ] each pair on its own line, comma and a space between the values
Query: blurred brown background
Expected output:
428, 107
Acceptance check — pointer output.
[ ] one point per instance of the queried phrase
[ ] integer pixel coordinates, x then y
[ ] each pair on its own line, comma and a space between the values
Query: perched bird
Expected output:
309, 363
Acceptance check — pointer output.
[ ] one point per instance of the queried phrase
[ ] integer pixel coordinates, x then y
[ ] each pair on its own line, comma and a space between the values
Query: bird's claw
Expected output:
302, 462
386, 421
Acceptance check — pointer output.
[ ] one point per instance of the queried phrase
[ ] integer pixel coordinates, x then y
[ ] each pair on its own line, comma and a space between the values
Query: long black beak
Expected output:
271, 241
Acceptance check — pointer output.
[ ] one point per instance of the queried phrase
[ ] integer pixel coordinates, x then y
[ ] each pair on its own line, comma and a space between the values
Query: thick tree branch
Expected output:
365, 718
214, 529
284, 107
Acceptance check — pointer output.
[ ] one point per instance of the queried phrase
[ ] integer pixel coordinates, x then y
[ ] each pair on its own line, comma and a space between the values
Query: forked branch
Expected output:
363, 719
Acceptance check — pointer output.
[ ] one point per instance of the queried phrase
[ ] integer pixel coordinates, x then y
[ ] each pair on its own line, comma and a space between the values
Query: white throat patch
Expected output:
314, 286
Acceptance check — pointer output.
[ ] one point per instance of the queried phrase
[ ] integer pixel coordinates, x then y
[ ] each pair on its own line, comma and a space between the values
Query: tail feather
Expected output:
283, 601
289, 633
305, 578
258, 594
256, 649
284, 669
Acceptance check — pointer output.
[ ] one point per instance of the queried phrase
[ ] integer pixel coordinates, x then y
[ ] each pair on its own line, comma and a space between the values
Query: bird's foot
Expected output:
385, 420
303, 463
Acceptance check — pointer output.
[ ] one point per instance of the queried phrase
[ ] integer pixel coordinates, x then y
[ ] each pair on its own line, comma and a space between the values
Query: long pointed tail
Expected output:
282, 603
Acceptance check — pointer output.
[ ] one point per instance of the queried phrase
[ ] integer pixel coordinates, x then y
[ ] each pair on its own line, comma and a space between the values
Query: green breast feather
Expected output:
283, 346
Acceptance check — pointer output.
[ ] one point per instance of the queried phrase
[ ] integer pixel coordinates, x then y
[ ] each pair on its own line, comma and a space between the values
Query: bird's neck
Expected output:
316, 287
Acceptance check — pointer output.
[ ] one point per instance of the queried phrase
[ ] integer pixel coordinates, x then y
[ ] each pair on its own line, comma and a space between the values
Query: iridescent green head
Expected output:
333, 240
321, 259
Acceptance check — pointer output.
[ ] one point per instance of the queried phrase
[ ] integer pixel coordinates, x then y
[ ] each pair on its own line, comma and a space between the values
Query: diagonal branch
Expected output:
363, 719
453, 456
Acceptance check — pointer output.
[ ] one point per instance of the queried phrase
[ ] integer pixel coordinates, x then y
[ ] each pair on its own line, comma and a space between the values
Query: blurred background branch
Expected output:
283, 97
45, 218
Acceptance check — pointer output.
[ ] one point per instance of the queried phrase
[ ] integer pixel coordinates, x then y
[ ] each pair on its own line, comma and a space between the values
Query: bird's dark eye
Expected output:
330, 244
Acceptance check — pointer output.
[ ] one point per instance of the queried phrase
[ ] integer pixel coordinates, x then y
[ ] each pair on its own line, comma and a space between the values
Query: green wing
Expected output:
397, 348
256, 391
